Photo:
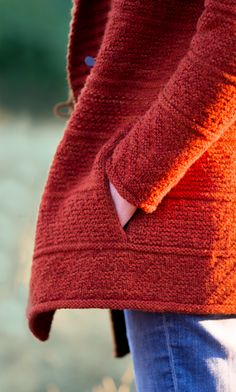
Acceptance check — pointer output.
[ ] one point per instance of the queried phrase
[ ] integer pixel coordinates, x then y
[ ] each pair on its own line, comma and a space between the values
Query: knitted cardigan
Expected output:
154, 113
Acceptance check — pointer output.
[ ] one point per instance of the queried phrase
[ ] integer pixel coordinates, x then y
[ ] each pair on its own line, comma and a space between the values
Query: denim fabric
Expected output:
182, 352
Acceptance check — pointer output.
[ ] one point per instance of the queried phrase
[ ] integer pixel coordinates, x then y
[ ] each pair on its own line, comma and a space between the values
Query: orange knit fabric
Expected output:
156, 115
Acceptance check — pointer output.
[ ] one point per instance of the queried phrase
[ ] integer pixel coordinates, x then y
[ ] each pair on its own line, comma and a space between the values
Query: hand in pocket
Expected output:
124, 209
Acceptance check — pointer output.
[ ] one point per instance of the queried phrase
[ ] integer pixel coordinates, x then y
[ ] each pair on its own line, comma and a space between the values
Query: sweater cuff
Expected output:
147, 203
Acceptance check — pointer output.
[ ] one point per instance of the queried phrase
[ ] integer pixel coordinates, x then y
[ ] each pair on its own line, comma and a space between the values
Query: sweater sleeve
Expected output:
192, 111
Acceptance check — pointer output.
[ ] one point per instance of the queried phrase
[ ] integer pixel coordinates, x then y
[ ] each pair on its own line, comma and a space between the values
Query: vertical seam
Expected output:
171, 357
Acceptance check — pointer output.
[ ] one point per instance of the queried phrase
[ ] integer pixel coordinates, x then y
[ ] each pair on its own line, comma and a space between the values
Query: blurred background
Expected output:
78, 355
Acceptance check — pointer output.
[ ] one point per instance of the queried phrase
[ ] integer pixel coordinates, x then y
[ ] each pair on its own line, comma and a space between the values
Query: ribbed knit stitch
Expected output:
154, 113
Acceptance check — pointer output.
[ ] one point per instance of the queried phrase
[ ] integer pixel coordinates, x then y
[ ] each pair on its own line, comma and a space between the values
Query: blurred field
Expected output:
77, 357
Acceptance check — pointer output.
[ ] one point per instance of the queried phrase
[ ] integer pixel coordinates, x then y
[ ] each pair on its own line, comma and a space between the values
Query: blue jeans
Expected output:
177, 352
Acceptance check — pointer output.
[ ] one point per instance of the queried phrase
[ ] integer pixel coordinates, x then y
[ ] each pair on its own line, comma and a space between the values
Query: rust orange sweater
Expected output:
156, 115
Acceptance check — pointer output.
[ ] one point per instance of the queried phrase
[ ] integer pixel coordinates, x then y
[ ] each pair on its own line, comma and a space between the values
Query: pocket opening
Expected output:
111, 206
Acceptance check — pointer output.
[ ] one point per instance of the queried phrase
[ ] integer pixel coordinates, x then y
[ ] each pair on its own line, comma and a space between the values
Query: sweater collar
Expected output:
87, 25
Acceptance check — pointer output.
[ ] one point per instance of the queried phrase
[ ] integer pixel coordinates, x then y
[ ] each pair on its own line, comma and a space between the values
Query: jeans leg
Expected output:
154, 368
182, 352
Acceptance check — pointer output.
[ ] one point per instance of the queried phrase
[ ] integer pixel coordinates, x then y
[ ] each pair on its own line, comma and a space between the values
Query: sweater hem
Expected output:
131, 303
41, 314
86, 259
78, 283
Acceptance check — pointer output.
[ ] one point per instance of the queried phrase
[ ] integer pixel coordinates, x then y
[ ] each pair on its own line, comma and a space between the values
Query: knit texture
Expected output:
155, 114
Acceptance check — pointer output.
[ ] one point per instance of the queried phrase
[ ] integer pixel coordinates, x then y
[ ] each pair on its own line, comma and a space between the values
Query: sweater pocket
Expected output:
105, 218
77, 209
103, 196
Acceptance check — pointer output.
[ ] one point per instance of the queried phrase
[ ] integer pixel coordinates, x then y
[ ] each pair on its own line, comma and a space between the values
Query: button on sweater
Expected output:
155, 114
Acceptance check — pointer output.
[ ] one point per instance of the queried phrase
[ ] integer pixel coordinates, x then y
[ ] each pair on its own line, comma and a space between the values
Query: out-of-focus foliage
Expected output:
33, 40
